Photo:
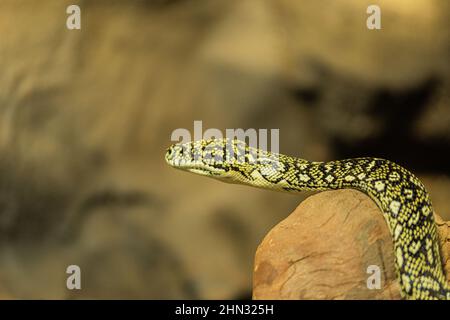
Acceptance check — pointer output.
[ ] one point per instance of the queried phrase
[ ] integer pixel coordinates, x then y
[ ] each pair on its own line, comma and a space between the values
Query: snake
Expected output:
400, 195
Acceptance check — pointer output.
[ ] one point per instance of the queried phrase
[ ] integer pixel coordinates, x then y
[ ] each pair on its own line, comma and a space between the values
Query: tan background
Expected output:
85, 117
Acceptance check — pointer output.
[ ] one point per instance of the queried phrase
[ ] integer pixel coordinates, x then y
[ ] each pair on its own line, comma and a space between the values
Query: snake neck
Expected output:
398, 193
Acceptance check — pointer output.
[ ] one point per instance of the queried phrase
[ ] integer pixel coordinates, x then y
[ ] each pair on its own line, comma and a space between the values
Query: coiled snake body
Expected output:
397, 192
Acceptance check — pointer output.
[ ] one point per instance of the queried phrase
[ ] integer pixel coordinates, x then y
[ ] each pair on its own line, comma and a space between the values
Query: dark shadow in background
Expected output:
400, 111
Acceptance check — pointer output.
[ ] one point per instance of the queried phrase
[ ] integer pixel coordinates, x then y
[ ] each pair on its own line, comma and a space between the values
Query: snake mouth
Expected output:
200, 172
197, 168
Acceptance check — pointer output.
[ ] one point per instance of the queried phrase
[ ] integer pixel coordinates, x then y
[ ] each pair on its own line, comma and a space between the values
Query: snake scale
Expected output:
399, 194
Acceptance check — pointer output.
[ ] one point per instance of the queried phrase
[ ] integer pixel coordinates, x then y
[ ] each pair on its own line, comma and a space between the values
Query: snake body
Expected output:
399, 194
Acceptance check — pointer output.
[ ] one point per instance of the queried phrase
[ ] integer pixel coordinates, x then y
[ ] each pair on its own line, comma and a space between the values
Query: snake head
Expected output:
204, 157
231, 161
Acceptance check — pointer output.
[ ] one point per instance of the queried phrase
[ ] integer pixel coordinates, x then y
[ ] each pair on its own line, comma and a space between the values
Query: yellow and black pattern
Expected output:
397, 192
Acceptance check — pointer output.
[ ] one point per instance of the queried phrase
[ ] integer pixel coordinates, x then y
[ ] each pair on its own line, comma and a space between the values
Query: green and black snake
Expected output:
397, 192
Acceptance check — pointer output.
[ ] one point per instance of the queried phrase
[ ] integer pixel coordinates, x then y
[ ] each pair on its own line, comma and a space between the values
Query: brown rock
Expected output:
324, 248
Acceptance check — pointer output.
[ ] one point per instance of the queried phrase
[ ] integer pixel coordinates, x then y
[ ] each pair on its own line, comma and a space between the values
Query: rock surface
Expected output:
324, 248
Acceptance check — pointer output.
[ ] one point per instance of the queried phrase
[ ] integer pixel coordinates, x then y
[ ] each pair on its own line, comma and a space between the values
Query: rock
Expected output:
444, 237
324, 248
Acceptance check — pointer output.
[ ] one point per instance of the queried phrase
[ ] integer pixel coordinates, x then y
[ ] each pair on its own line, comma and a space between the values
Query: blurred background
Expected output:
86, 116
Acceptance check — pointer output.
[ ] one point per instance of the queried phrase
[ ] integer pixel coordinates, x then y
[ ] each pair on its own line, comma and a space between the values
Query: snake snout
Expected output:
169, 156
